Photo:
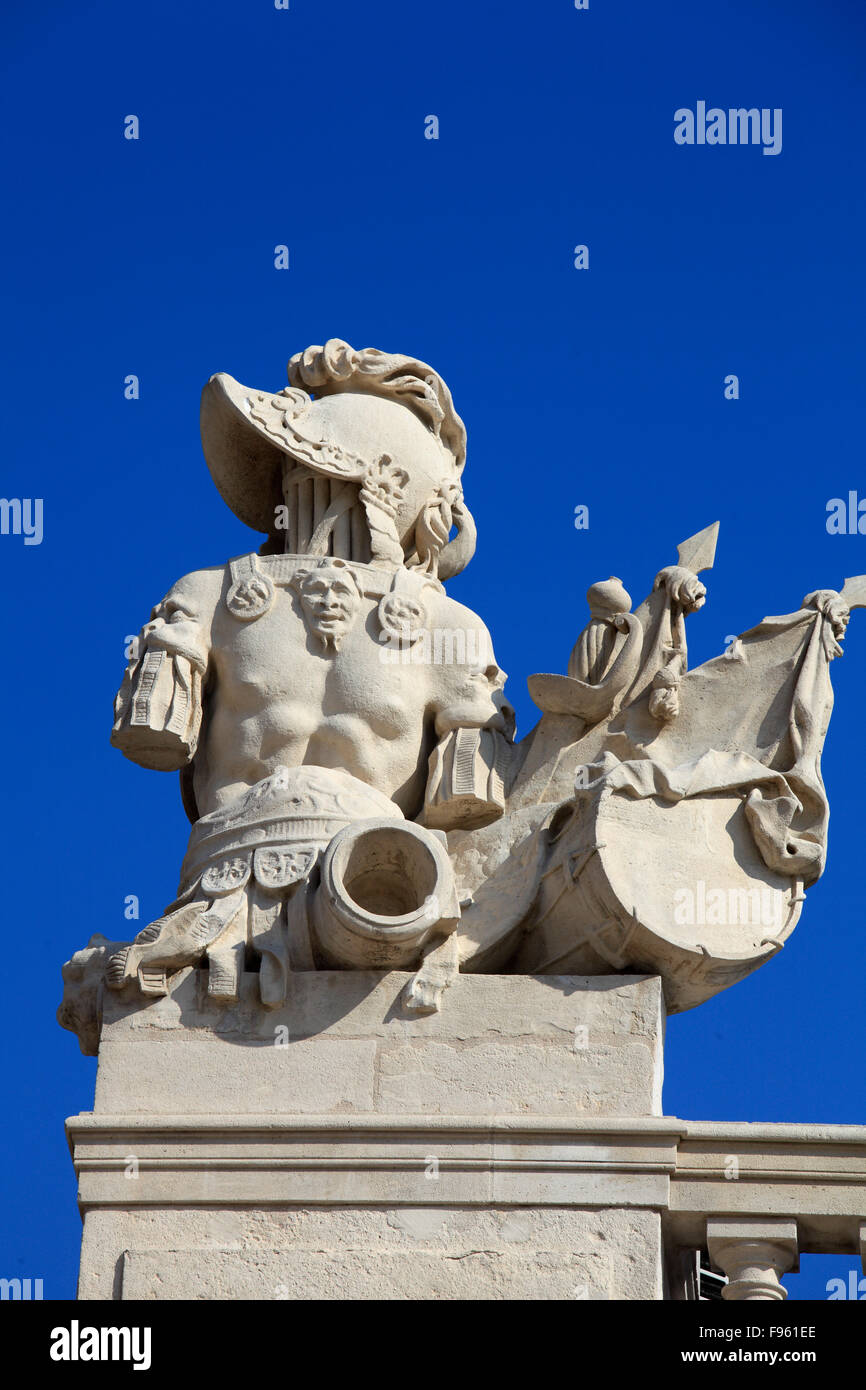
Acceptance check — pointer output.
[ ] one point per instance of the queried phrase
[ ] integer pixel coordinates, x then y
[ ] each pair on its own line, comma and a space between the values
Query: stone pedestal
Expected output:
509, 1147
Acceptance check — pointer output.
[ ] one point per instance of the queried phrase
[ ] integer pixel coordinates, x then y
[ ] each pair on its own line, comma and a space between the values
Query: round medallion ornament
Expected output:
249, 597
403, 618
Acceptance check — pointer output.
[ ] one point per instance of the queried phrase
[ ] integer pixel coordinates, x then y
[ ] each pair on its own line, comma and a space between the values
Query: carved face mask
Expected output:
330, 599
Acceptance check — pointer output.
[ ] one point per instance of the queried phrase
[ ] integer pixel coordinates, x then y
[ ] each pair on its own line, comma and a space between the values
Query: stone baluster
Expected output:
753, 1253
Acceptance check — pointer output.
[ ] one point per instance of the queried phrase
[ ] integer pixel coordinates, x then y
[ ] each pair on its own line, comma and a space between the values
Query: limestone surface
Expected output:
348, 757
399, 1032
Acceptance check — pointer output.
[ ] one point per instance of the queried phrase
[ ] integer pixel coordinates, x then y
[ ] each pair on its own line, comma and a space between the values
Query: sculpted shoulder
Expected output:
459, 639
158, 709
446, 612
465, 672
181, 622
198, 593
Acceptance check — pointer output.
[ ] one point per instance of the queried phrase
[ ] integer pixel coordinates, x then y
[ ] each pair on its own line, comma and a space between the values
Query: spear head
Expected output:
853, 591
699, 551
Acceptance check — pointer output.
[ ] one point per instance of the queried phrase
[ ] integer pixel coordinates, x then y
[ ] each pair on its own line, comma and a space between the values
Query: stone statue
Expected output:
346, 751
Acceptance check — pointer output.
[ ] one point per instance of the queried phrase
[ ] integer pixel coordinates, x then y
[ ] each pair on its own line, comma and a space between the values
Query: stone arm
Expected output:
158, 709
468, 768
677, 591
468, 771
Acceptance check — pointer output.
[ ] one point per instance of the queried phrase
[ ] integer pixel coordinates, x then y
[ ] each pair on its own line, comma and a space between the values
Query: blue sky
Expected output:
603, 387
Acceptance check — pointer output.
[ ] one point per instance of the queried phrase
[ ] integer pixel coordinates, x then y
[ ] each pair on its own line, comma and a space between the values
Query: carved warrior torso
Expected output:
277, 691
323, 694
334, 713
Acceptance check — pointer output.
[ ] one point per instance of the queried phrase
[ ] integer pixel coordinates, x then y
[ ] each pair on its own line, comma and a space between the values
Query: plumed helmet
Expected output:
383, 421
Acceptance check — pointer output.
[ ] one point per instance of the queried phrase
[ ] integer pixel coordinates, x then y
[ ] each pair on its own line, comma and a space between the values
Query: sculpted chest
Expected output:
317, 657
